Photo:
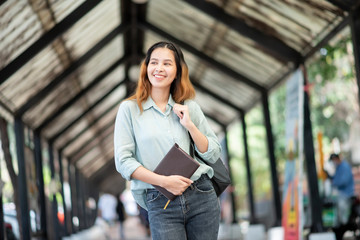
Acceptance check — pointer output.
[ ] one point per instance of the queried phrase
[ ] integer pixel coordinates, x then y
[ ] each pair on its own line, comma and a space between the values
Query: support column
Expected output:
22, 187
40, 183
53, 191
270, 144
79, 203
61, 175
2, 228
315, 201
355, 34
248, 171
233, 205
73, 199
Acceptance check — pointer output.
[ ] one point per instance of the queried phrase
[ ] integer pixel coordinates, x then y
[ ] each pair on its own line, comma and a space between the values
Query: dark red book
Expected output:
175, 162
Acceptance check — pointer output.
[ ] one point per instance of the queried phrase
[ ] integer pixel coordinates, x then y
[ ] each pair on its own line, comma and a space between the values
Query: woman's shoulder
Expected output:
128, 102
129, 105
192, 104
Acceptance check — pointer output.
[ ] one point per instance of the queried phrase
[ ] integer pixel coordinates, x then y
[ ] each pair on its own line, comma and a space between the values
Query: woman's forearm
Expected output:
200, 139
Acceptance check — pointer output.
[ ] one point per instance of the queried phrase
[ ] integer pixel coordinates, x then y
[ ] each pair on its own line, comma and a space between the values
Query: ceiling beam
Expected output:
103, 171
67, 127
344, 23
91, 143
93, 159
110, 124
82, 93
132, 14
208, 60
215, 119
217, 97
133, 39
274, 46
41, 94
46, 39
346, 5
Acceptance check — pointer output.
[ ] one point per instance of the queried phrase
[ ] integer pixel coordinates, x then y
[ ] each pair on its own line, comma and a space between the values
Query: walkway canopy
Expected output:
66, 65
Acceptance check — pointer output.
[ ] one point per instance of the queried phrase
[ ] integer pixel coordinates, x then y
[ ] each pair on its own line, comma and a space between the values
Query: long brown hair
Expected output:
180, 89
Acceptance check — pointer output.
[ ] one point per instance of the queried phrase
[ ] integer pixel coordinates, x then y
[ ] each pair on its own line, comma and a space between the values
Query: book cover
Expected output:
175, 162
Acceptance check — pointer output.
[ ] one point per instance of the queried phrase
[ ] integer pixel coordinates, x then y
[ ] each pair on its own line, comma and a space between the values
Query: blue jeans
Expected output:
195, 215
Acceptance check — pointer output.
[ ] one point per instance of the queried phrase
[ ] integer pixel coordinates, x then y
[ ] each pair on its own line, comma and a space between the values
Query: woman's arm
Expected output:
200, 140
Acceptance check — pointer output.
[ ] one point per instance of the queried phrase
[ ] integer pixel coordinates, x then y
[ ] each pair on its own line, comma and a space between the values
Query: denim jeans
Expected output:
194, 215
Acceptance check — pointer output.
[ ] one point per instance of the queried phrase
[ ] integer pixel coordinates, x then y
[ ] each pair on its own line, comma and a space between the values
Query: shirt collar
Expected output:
150, 103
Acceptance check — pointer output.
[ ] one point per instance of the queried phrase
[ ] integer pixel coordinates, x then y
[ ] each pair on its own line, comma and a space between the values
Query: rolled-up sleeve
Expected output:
124, 142
214, 149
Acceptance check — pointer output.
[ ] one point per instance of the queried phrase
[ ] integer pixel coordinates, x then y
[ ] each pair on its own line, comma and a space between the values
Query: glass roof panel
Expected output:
31, 78
56, 126
72, 85
19, 28
84, 130
214, 108
181, 21
82, 144
93, 27
63, 8
297, 23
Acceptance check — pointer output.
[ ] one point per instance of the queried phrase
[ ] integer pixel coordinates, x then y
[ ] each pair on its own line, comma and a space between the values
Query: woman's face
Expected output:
161, 69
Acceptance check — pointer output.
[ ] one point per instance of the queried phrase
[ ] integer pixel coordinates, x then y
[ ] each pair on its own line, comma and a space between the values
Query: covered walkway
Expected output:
65, 66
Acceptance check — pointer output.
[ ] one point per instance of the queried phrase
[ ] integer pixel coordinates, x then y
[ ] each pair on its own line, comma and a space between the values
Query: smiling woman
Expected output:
147, 125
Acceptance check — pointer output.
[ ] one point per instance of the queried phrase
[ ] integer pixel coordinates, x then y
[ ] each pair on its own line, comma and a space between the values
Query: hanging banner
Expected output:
292, 188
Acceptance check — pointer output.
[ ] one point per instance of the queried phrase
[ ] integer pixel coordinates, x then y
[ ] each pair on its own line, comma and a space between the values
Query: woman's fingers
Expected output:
177, 184
182, 112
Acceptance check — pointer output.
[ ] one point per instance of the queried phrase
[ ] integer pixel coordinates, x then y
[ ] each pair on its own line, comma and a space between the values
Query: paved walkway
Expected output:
133, 230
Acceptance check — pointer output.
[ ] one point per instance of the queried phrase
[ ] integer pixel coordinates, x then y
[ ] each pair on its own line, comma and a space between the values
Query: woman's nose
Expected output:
159, 67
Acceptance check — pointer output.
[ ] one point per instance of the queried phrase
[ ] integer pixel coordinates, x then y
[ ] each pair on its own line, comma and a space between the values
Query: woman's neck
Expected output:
160, 98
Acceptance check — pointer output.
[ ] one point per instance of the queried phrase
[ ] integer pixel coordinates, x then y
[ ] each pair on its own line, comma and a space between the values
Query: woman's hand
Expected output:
176, 184
182, 111
200, 140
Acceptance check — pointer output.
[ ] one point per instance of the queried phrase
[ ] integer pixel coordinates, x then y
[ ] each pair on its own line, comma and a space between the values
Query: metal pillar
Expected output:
248, 171
233, 205
72, 193
80, 214
22, 187
270, 145
61, 175
40, 183
54, 201
355, 34
83, 200
2, 227
315, 201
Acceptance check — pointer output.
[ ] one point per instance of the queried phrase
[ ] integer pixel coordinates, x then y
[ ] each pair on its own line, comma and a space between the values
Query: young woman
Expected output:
147, 126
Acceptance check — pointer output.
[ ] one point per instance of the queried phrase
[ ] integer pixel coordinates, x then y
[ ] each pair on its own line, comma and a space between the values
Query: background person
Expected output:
120, 210
342, 182
107, 207
147, 126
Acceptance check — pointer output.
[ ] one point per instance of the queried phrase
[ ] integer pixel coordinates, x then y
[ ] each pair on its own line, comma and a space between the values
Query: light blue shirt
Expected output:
143, 139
